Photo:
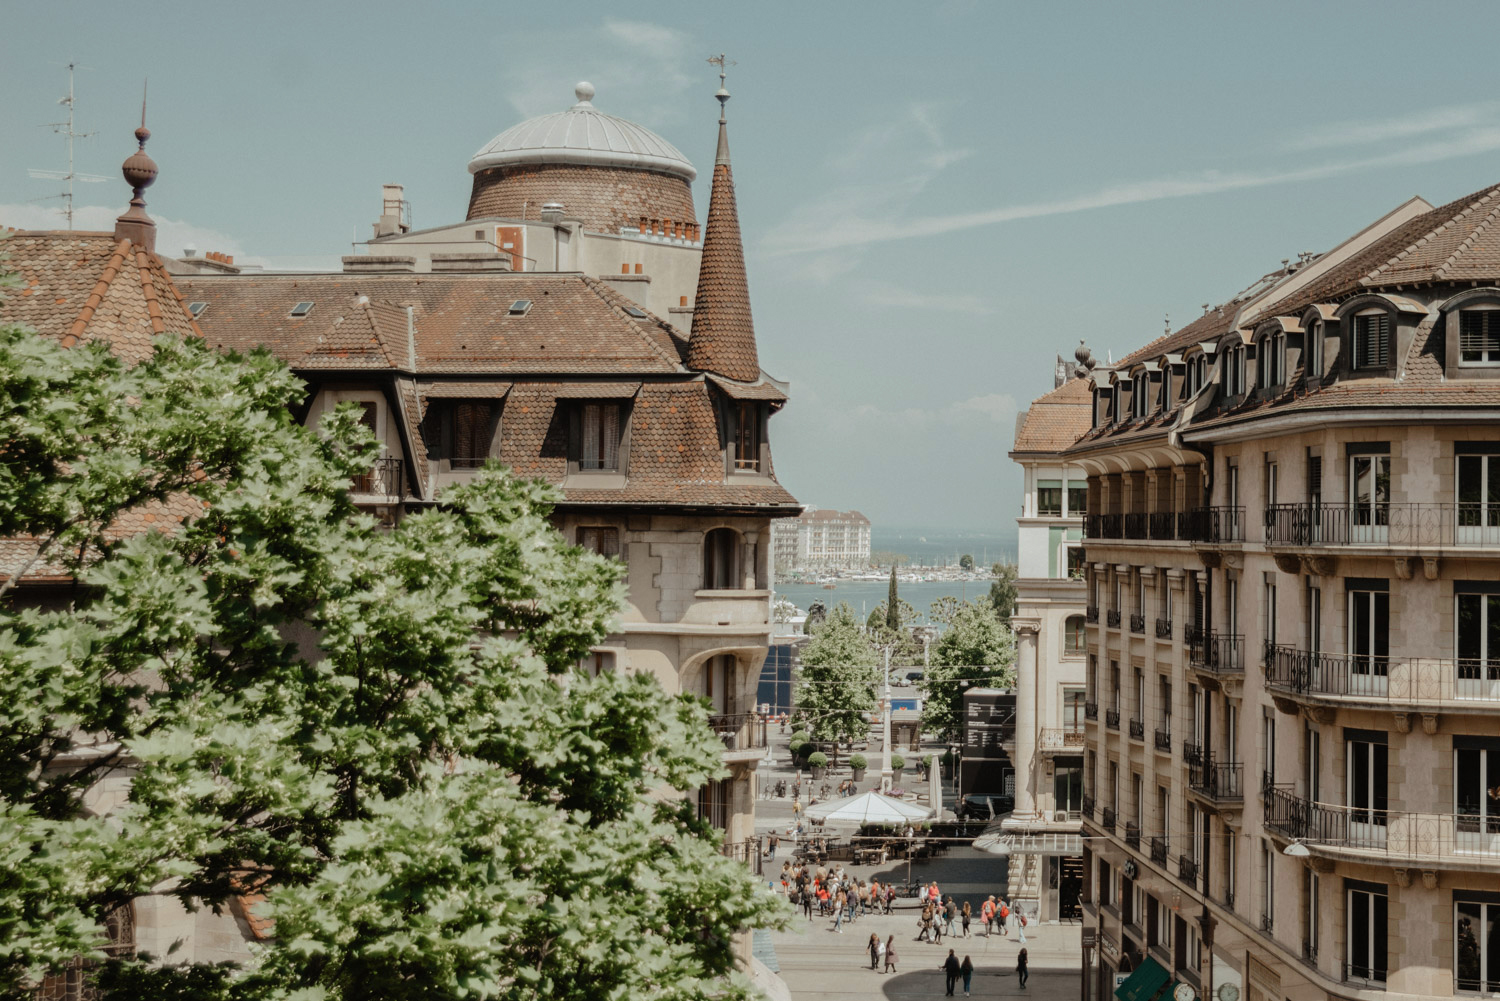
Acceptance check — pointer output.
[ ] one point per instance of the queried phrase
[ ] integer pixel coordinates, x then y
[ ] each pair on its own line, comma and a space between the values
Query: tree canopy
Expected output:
1003, 591
382, 731
836, 678
975, 648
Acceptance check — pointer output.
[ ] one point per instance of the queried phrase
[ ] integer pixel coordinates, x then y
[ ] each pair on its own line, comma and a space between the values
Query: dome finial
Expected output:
584, 91
723, 63
140, 173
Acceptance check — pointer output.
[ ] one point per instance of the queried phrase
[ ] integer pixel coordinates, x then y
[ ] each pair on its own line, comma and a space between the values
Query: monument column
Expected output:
1026, 716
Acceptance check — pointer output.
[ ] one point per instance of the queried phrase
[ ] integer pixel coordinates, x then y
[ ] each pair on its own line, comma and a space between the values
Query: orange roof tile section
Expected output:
723, 338
1057, 419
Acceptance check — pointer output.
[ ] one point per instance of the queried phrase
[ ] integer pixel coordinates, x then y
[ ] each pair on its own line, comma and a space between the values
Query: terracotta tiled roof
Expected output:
463, 323
464, 390
723, 338
1056, 420
364, 334
760, 391
1210, 326
1453, 242
91, 286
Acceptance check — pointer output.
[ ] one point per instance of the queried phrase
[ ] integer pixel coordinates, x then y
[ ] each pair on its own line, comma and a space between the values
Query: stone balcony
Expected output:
1321, 682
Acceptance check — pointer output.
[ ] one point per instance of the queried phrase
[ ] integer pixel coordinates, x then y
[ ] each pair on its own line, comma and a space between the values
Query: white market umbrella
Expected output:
868, 808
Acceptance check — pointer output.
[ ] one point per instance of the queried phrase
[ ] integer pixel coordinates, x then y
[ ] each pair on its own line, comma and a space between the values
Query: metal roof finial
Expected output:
723, 62
140, 173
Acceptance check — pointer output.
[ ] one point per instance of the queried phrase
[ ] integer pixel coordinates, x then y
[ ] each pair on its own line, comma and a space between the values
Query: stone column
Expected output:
1026, 716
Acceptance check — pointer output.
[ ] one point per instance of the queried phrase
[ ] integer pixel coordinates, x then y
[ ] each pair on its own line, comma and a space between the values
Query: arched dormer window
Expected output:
1140, 395
1314, 366
1472, 334
1233, 374
721, 560
1271, 360
1372, 338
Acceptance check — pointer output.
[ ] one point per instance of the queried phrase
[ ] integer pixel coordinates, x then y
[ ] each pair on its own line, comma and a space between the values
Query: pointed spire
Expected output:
140, 173
723, 334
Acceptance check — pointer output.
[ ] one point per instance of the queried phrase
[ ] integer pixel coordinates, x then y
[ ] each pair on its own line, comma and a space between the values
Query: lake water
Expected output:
943, 547
864, 595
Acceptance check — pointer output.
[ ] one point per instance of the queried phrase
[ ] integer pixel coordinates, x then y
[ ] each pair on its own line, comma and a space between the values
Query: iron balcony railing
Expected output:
1192, 753
1213, 524
387, 478
1163, 629
1162, 736
1136, 525
1398, 681
1192, 634
1062, 738
1162, 525
1088, 805
741, 731
1112, 718
1159, 849
1091, 710
1133, 834
1113, 618
1138, 729
1390, 835
1092, 613
746, 852
1364, 974
1221, 781
1383, 524
1104, 526
1138, 624
1221, 653
1187, 868
1109, 819
1310, 950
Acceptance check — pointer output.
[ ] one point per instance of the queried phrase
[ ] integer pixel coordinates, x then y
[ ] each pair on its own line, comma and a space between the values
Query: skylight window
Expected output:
197, 308
302, 308
636, 311
519, 307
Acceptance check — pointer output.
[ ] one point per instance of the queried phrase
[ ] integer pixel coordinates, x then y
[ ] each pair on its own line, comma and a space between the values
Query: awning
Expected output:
597, 390
1148, 983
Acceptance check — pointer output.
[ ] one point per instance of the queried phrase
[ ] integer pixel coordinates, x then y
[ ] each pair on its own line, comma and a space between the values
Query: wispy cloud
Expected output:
905, 298
867, 225
1461, 116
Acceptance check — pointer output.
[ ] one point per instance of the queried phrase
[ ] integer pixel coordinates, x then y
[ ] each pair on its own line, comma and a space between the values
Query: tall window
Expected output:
1078, 500
1476, 772
721, 559
1372, 335
1370, 493
1268, 739
1476, 947
1075, 635
1267, 886
1310, 890
1314, 365
473, 427
1312, 757
1367, 764
600, 437
1369, 636
1367, 917
1272, 368
1477, 642
1478, 479
1049, 498
1479, 336
747, 438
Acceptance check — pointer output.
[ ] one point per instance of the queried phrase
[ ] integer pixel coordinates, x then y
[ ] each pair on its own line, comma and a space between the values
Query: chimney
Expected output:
552, 212
394, 212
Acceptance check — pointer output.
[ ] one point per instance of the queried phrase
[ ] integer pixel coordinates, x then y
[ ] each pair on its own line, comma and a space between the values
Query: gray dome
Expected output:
583, 135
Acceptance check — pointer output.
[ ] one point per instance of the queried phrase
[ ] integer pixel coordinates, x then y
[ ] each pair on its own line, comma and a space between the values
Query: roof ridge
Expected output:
91, 304
177, 293
1468, 242
1450, 219
612, 299
148, 289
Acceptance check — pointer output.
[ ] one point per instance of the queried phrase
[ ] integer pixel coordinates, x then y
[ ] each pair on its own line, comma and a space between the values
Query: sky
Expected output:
937, 199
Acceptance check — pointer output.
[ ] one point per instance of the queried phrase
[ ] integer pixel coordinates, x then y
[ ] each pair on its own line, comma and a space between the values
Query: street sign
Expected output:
1090, 937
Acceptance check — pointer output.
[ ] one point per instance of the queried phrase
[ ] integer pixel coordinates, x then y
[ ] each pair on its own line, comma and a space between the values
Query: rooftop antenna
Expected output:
70, 175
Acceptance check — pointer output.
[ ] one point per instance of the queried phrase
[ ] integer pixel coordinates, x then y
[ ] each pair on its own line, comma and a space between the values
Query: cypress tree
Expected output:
892, 610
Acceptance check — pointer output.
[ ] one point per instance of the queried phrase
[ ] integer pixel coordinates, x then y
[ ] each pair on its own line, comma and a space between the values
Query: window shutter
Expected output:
1374, 333
1479, 335
1314, 477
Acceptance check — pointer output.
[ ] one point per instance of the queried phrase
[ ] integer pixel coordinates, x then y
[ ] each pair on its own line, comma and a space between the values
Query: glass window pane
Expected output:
1470, 637
1467, 928
1491, 947
1468, 781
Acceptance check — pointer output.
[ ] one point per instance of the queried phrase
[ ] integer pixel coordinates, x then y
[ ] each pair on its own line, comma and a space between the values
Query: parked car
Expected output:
907, 678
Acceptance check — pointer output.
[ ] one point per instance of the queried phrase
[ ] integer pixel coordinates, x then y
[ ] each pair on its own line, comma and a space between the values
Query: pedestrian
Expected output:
968, 973
838, 912
924, 933
987, 913
968, 912
1020, 928
807, 902
1021, 972
874, 948
771, 843
1003, 913
950, 915
952, 968
890, 954
890, 896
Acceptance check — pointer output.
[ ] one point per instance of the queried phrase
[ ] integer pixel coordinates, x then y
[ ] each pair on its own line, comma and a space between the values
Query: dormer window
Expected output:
1271, 371
1140, 395
748, 436
1372, 337
1479, 336
1234, 371
1314, 367
599, 440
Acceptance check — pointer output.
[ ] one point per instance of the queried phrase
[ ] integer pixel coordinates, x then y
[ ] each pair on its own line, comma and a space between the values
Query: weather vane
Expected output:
723, 62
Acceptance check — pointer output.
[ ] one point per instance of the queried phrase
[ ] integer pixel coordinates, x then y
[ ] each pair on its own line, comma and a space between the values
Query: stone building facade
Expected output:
1293, 712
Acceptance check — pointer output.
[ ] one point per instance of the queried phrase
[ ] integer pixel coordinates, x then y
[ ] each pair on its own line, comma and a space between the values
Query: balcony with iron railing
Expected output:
1192, 753
385, 482
1104, 526
1109, 819
1138, 624
1137, 729
1383, 524
745, 735
1061, 739
1112, 618
1218, 781
1364, 975
1162, 735
1112, 718
1187, 869
1136, 525
1088, 806
1092, 613
1387, 837
1162, 526
1213, 525
1163, 629
747, 853
1218, 653
1159, 849
1133, 835
1091, 710
1401, 684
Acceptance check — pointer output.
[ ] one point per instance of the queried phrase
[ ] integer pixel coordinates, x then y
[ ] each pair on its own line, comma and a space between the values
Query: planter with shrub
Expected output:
818, 762
897, 762
857, 763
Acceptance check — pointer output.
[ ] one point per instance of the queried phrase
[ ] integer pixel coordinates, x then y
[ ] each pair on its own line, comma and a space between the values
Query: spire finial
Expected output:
723, 62
140, 173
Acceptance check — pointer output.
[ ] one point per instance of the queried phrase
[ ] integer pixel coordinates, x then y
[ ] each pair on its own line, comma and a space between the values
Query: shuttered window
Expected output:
1372, 334
473, 434
1479, 336
747, 437
601, 437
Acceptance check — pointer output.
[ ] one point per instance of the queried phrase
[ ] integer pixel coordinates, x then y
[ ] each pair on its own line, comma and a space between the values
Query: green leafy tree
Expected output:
817, 612
1003, 591
975, 650
966, 562
381, 731
836, 677
893, 605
